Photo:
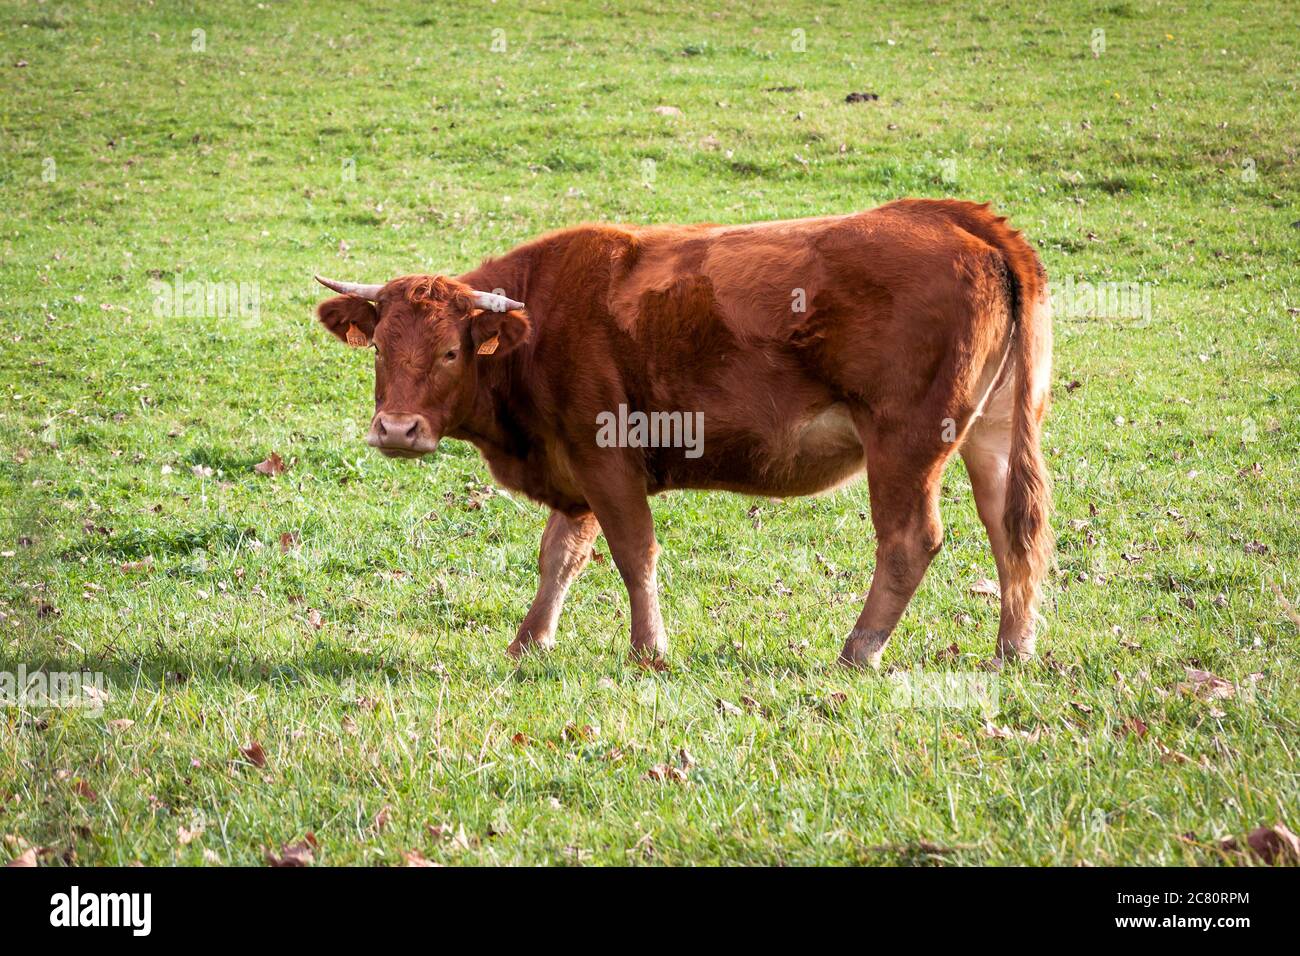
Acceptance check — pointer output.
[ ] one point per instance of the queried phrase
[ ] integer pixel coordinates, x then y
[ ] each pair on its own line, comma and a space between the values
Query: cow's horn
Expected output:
370, 292
494, 302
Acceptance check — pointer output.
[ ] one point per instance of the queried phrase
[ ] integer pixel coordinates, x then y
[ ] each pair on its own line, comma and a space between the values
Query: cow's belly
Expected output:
815, 452
828, 452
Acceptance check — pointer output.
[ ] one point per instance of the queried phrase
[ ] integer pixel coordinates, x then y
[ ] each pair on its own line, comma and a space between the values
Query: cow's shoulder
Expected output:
591, 250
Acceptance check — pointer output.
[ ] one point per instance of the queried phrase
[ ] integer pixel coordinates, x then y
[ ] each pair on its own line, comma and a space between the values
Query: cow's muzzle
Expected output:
402, 436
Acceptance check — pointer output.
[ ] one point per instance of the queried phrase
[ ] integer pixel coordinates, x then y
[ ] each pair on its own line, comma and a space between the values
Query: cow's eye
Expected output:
450, 356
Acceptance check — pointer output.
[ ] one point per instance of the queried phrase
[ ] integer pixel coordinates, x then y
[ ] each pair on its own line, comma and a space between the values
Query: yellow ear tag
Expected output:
356, 338
490, 346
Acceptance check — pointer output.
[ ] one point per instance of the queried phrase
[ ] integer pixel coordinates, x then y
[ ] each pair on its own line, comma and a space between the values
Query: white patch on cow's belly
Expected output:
829, 450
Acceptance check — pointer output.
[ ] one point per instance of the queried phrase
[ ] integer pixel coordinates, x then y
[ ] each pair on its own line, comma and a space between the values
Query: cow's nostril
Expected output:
399, 431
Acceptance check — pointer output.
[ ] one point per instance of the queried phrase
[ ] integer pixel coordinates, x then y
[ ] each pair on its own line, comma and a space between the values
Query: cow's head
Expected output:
430, 335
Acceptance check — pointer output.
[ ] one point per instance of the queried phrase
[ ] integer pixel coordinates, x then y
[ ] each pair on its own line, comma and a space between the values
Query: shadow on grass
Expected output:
165, 667
162, 664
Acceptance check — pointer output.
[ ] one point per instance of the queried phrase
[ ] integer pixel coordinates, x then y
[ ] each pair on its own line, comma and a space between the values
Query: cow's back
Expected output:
766, 278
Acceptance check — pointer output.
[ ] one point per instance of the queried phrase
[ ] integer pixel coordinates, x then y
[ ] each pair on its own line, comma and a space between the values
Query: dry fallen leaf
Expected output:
1135, 726
314, 618
997, 733
443, 831
298, 854
272, 465
122, 723
676, 772
574, 732
950, 653
1171, 756
1207, 686
382, 818
288, 541
186, 836
727, 708
85, 791
416, 858
987, 587
1275, 844
662, 771
255, 754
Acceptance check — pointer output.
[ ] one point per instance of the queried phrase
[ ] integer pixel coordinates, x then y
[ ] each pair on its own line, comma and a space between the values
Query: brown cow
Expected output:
810, 350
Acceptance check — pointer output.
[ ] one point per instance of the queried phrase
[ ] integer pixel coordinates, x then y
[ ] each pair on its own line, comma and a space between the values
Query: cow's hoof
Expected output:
862, 652
864, 662
521, 646
1021, 650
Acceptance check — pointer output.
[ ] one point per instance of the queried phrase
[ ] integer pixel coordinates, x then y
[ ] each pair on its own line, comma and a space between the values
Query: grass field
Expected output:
350, 615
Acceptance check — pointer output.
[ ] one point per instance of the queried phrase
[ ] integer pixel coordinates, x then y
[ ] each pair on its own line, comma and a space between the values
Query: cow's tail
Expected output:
1027, 515
1026, 518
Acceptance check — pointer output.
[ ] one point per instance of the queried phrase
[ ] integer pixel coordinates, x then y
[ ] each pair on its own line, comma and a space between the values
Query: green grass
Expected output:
231, 164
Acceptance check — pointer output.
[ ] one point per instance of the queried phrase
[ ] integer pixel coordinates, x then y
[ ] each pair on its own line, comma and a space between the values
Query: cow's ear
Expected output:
496, 333
351, 318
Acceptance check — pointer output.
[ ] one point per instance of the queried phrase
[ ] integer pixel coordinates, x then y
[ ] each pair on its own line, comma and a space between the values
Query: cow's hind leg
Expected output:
565, 551
903, 472
986, 451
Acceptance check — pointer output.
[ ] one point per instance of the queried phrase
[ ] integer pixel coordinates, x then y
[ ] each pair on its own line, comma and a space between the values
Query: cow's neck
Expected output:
497, 385
501, 424
484, 425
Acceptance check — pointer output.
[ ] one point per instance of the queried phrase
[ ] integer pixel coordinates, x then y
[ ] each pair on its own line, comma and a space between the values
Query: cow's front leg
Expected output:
625, 517
565, 551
